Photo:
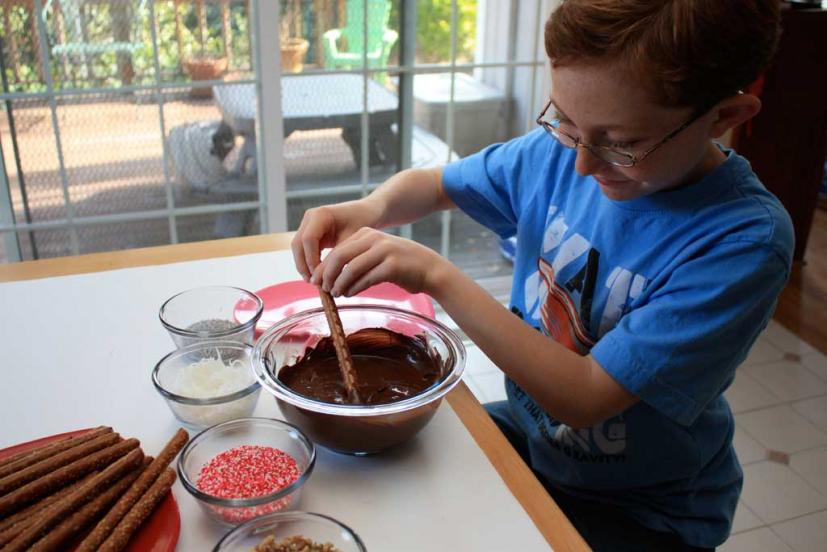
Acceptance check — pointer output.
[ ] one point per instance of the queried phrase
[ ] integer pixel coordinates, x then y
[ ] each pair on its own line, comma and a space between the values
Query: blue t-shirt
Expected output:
667, 292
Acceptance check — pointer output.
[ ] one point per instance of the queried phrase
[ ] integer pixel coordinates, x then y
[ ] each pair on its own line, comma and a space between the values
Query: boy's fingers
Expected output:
355, 270
339, 257
316, 276
312, 252
298, 256
374, 276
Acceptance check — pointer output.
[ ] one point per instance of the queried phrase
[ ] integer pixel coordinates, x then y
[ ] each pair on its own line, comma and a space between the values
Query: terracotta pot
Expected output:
293, 51
204, 68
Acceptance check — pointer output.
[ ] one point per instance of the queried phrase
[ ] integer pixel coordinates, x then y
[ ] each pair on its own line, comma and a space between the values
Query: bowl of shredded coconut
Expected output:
208, 383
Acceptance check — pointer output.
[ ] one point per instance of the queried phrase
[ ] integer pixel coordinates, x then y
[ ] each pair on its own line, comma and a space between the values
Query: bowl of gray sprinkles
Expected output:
211, 313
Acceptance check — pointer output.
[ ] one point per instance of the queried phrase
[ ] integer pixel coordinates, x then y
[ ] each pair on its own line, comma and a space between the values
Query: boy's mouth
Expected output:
611, 183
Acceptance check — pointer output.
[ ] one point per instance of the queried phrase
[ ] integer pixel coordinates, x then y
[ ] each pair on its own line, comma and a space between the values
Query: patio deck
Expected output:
113, 155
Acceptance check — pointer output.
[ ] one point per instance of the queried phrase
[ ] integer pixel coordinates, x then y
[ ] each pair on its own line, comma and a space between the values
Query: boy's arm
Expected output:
409, 196
573, 389
405, 197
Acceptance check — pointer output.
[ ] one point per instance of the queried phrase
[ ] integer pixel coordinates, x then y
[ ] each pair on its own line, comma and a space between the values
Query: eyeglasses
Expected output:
609, 155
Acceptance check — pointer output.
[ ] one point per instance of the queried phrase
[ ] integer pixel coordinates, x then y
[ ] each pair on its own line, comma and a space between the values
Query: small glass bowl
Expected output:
316, 527
200, 413
264, 432
211, 313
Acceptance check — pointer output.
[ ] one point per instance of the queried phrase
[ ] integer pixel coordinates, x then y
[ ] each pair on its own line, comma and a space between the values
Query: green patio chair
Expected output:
77, 44
380, 38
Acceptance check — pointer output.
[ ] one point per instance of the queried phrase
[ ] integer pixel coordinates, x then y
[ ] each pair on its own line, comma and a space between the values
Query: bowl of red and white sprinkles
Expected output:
245, 468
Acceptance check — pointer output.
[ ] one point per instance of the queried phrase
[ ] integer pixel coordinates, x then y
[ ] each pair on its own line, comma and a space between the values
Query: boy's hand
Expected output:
327, 226
370, 257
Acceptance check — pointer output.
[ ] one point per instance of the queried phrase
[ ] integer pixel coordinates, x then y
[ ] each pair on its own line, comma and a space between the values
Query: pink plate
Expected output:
288, 298
159, 533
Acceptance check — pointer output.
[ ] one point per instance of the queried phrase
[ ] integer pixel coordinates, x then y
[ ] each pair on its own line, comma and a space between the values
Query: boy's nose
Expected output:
586, 162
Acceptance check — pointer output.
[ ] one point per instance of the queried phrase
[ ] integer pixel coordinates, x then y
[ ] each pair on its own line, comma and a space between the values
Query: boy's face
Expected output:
606, 105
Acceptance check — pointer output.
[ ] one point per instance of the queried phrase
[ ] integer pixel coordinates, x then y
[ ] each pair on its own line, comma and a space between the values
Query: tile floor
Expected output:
779, 398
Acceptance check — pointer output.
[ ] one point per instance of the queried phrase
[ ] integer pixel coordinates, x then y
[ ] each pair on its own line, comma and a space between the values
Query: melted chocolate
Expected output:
388, 366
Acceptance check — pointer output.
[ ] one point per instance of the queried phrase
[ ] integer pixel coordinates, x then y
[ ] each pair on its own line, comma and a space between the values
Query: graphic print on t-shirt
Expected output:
562, 296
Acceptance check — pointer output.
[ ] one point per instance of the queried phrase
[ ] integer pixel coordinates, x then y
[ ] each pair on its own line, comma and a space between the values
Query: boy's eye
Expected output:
623, 145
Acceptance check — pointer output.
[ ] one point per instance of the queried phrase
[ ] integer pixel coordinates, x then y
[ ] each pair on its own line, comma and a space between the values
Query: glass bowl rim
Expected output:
433, 393
240, 328
254, 501
221, 399
273, 516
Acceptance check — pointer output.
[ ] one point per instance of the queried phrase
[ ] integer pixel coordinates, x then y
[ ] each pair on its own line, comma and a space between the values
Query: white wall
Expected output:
513, 29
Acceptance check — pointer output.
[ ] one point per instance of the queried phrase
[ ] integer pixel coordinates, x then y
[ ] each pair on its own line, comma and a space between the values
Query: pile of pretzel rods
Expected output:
51, 494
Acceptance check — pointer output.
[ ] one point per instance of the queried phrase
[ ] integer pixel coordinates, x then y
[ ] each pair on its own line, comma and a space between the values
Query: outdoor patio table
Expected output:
80, 336
314, 102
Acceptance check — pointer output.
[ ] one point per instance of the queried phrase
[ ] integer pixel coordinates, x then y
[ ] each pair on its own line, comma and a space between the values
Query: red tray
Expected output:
288, 298
159, 533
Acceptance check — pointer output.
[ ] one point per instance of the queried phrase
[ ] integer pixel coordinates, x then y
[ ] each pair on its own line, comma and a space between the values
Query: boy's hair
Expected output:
690, 52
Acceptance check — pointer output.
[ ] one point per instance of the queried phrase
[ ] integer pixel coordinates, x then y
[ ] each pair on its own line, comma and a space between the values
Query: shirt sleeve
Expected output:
680, 349
486, 185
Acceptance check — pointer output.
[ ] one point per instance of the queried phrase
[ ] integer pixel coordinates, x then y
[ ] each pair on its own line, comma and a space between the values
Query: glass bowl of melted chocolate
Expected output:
404, 363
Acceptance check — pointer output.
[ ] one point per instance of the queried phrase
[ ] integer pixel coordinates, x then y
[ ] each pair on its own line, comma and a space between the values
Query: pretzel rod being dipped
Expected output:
337, 333
47, 465
85, 516
106, 525
25, 459
139, 512
55, 513
30, 492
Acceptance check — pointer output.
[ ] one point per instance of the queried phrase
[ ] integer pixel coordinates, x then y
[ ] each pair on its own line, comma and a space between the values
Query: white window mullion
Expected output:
159, 96
11, 240
270, 128
407, 58
364, 162
445, 223
50, 94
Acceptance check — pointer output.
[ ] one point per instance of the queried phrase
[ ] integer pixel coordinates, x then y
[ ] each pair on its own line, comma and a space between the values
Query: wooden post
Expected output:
11, 40
341, 12
321, 24
249, 10
36, 41
121, 30
202, 23
88, 71
226, 28
179, 32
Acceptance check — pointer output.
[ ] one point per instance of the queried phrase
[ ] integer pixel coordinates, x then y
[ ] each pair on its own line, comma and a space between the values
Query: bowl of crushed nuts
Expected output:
291, 532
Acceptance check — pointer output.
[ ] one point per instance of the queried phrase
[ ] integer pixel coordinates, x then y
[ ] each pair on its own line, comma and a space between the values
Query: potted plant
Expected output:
205, 63
293, 46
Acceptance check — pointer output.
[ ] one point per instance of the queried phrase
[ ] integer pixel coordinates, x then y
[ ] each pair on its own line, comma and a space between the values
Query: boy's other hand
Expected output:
328, 226
370, 257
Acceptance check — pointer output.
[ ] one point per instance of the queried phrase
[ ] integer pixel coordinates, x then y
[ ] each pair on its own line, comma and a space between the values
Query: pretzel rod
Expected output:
30, 492
107, 525
81, 519
337, 333
24, 516
25, 459
139, 512
56, 512
12, 458
20, 478
19, 521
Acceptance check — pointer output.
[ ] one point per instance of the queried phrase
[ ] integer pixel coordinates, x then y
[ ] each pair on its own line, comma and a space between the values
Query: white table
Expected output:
78, 351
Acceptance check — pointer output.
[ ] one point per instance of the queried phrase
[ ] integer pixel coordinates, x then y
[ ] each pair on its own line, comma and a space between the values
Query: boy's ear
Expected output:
733, 111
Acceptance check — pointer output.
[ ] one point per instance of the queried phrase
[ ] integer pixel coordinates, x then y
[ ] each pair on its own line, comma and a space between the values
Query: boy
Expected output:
649, 255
